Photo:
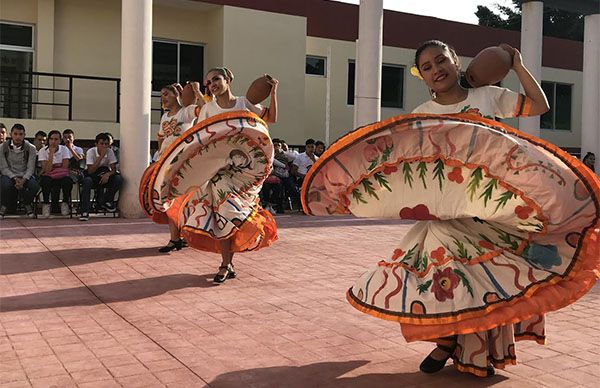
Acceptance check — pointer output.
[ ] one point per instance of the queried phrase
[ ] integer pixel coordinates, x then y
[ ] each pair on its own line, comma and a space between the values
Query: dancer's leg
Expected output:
226, 270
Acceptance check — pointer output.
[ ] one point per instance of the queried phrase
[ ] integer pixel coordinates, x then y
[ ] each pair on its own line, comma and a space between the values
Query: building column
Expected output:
136, 78
367, 91
590, 106
531, 50
44, 62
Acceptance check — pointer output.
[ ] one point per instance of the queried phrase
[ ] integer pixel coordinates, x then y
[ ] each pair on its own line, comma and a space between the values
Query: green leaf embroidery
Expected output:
474, 182
407, 171
222, 194
368, 187
438, 172
488, 191
506, 238
464, 280
409, 254
479, 250
357, 195
462, 251
422, 168
424, 287
383, 182
386, 154
373, 164
503, 199
424, 262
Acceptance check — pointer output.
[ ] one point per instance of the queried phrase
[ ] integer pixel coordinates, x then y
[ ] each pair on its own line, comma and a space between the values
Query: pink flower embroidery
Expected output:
444, 283
456, 175
387, 170
384, 142
438, 254
370, 152
523, 212
486, 244
397, 254
419, 212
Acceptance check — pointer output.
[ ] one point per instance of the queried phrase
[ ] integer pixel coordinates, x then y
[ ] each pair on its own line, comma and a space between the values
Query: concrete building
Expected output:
295, 41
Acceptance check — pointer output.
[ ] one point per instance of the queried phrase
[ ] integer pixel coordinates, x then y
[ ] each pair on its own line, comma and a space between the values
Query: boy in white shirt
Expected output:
76, 153
102, 175
304, 161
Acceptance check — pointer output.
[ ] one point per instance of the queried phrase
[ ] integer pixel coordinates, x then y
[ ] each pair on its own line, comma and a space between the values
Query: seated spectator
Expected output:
17, 166
55, 175
304, 161
590, 161
102, 175
319, 148
113, 147
77, 155
291, 154
39, 140
2, 133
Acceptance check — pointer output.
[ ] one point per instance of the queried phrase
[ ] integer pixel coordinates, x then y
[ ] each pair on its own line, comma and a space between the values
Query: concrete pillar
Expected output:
44, 62
531, 51
136, 78
367, 91
590, 106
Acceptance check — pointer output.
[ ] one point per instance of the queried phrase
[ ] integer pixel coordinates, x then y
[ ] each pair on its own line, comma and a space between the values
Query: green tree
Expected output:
557, 23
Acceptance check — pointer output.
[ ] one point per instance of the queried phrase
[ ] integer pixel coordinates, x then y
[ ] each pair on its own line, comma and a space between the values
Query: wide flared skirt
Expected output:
508, 225
207, 183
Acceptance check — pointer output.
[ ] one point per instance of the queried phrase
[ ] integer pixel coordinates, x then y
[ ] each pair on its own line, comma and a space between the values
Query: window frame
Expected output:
324, 75
553, 106
386, 64
178, 65
10, 47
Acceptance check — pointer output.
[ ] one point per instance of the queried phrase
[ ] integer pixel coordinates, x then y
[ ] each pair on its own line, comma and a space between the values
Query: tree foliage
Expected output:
557, 23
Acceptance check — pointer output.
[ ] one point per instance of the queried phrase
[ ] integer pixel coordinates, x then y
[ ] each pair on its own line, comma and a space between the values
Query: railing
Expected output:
56, 96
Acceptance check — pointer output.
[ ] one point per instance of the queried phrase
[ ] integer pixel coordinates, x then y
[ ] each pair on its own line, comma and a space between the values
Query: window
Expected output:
316, 65
559, 98
16, 60
176, 62
392, 85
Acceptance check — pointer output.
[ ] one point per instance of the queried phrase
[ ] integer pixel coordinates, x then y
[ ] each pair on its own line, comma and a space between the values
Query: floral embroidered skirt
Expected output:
207, 182
508, 228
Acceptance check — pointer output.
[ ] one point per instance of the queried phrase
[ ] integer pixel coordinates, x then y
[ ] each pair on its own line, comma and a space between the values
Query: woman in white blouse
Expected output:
54, 178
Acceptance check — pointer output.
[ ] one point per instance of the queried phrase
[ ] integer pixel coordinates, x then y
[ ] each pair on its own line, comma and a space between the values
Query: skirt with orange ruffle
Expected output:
207, 182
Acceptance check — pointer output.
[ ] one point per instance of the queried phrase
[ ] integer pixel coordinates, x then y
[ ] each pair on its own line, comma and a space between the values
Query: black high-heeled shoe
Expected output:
173, 244
431, 365
229, 274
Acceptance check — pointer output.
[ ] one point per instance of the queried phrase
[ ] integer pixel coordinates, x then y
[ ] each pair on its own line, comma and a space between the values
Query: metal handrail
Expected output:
25, 81
25, 84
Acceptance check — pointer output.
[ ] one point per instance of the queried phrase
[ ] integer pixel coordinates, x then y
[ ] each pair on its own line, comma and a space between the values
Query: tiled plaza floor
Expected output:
95, 305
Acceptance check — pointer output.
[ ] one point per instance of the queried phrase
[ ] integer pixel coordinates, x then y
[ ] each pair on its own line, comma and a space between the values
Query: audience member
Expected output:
17, 166
2, 133
590, 160
319, 148
304, 161
55, 175
290, 153
39, 140
113, 147
76, 154
102, 175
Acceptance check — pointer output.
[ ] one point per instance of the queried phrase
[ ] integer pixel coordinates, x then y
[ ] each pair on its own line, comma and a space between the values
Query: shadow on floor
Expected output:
108, 293
304, 221
14, 263
328, 375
